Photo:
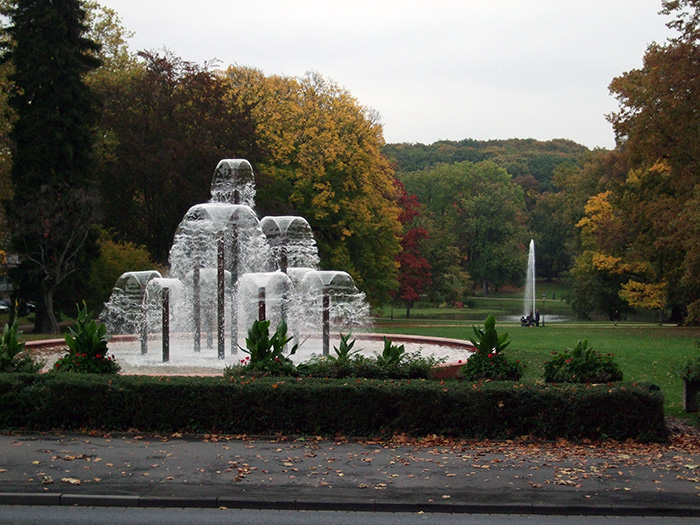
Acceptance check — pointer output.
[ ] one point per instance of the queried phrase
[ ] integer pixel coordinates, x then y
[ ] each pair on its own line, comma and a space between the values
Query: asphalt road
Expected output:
156, 516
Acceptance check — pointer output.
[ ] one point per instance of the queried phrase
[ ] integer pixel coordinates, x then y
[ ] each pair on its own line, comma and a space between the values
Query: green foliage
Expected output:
115, 258
409, 367
266, 354
12, 355
691, 368
87, 347
581, 365
53, 206
493, 366
391, 354
345, 351
486, 340
521, 157
312, 406
481, 202
489, 362
392, 363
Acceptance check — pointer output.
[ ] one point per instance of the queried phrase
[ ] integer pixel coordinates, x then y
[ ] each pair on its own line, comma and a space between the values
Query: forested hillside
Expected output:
521, 158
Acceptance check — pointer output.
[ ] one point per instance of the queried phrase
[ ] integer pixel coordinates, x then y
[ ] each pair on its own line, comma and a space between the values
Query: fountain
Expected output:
228, 268
529, 308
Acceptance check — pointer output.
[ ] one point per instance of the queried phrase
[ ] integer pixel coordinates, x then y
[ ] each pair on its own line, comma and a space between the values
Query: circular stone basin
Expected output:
184, 361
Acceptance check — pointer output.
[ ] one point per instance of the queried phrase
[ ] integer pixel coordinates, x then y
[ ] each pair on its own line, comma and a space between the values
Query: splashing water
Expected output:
228, 268
529, 306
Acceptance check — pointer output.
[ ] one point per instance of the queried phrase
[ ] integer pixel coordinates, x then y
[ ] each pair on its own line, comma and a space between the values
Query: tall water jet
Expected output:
529, 306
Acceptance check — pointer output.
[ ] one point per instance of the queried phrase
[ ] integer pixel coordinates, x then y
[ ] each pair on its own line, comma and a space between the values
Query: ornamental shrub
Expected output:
265, 353
691, 368
488, 361
13, 358
581, 365
494, 366
87, 347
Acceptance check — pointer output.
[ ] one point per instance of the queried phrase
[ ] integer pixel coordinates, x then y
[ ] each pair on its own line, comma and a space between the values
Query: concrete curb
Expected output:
104, 500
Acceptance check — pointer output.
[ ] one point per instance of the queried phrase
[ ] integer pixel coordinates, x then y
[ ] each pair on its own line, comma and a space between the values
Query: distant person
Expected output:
537, 318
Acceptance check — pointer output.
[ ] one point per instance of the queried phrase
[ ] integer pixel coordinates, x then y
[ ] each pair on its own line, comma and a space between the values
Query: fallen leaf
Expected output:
72, 481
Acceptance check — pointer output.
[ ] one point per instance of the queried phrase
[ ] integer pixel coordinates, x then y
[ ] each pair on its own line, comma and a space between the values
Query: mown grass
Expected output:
645, 352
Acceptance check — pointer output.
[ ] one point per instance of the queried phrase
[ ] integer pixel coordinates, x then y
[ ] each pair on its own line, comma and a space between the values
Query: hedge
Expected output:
313, 406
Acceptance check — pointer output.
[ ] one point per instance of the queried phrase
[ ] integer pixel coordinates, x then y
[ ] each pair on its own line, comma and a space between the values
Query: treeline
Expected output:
480, 204
405, 220
530, 161
624, 225
157, 126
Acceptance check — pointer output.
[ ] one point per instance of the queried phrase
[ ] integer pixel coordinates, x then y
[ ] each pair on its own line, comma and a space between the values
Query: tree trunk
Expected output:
44, 317
408, 308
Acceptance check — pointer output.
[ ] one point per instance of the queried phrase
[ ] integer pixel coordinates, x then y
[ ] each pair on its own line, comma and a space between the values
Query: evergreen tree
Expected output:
53, 207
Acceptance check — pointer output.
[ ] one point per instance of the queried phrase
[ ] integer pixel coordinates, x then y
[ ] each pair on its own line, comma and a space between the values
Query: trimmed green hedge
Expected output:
312, 406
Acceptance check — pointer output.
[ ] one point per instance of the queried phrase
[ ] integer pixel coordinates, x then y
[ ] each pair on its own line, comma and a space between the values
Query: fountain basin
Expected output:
127, 351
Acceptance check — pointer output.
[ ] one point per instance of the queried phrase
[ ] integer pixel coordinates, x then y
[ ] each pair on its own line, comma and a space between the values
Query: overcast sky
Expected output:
438, 69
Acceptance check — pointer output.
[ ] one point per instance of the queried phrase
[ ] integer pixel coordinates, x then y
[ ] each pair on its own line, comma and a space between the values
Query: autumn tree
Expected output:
414, 269
165, 125
656, 125
323, 161
54, 204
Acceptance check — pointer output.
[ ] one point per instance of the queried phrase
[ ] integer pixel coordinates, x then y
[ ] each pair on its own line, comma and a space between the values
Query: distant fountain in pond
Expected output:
529, 306
228, 268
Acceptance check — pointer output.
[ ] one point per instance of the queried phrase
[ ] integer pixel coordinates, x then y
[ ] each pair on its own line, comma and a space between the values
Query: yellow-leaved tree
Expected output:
323, 161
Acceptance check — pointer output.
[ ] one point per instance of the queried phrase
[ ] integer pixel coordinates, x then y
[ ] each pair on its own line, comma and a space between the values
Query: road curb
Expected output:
108, 500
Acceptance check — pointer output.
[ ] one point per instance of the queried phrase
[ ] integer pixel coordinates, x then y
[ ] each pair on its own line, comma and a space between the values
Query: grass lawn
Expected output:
645, 352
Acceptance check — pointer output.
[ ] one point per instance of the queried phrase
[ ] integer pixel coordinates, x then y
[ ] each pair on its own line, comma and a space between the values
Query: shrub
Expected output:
391, 354
488, 361
691, 369
491, 366
87, 347
410, 367
13, 358
345, 351
351, 407
581, 365
265, 353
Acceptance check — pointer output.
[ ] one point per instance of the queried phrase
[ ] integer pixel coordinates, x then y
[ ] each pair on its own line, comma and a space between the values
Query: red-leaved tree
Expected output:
414, 269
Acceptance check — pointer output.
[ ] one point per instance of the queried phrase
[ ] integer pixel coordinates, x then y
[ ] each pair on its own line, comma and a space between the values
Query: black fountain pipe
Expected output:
326, 320
283, 254
220, 298
210, 323
261, 304
197, 314
144, 325
166, 324
234, 302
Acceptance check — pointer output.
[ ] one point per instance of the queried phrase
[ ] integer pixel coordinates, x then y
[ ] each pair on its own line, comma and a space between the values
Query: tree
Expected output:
414, 269
494, 233
115, 258
323, 161
658, 143
166, 123
481, 211
53, 207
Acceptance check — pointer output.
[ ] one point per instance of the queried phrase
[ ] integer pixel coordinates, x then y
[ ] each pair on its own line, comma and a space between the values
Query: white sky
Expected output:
438, 69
